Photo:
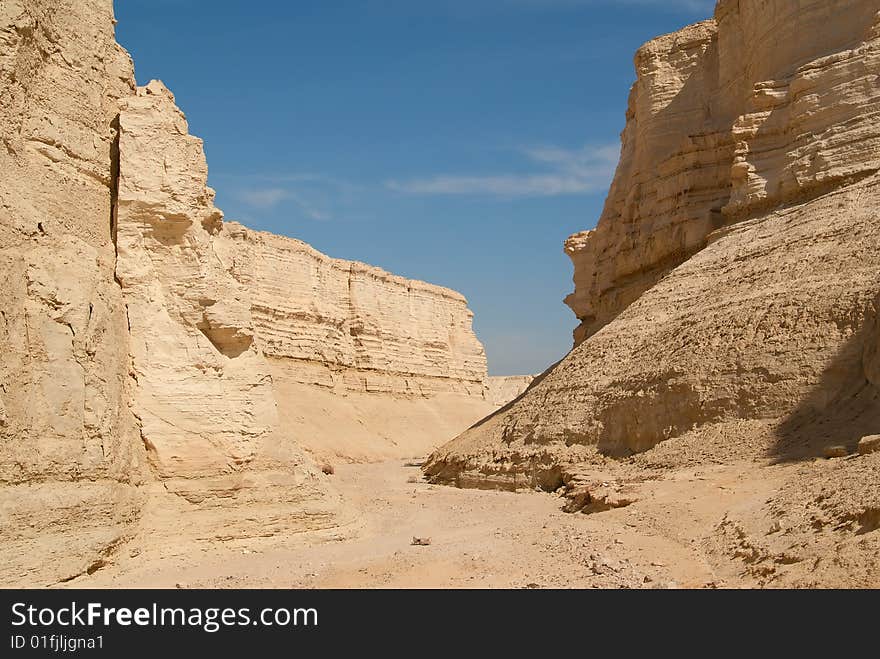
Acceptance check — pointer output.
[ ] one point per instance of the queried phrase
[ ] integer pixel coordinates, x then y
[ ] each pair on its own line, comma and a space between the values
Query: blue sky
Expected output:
455, 141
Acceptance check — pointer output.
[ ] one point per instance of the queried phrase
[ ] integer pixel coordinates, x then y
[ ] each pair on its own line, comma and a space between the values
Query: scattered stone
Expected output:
869, 444
835, 451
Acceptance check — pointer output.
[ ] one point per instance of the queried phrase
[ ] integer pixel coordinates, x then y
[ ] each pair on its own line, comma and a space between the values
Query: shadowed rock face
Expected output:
733, 271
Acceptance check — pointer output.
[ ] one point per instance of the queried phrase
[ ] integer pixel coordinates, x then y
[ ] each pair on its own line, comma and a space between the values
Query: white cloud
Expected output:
268, 198
263, 198
569, 172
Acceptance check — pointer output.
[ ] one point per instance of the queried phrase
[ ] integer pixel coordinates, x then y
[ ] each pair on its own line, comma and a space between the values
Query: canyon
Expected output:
185, 401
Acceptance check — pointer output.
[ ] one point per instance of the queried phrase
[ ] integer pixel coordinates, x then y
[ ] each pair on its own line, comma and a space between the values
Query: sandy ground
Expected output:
671, 537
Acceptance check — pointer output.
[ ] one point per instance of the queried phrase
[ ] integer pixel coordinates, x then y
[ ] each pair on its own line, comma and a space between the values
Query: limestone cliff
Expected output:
365, 365
733, 272
202, 390
350, 326
70, 455
769, 103
164, 373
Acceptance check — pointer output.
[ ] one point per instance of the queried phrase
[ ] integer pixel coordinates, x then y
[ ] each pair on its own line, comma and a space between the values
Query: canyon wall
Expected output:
768, 103
202, 389
366, 365
70, 454
733, 273
166, 375
351, 326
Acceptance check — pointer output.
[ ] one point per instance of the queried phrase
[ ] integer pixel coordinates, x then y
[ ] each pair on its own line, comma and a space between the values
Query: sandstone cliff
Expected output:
733, 273
365, 365
202, 390
351, 326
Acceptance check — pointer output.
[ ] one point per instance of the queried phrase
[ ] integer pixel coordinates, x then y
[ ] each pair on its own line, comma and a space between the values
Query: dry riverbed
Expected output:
682, 531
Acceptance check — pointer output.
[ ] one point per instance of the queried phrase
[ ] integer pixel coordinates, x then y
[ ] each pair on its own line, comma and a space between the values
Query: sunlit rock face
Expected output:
769, 103
70, 454
733, 272
166, 375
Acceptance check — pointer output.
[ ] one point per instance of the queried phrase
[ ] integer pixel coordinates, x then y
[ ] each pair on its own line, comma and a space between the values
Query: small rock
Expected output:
328, 469
421, 542
181, 585
835, 452
869, 444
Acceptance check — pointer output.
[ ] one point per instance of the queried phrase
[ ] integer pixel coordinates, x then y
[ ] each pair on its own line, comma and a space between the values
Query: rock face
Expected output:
728, 118
502, 389
70, 455
202, 389
733, 273
365, 365
351, 326
163, 373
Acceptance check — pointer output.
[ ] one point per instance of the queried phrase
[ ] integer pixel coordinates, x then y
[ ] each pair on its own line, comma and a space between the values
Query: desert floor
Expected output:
677, 534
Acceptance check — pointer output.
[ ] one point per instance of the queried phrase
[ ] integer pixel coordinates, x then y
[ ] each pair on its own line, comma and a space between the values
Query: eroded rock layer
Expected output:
70, 455
365, 365
164, 374
351, 326
768, 103
202, 389
733, 273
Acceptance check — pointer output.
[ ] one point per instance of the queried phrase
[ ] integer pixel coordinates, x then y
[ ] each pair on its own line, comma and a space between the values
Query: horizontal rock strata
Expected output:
164, 373
352, 326
768, 103
734, 271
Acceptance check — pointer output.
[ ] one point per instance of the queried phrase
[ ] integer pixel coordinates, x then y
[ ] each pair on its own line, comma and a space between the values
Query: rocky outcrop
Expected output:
733, 273
202, 389
728, 118
70, 455
365, 365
